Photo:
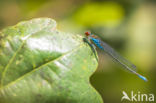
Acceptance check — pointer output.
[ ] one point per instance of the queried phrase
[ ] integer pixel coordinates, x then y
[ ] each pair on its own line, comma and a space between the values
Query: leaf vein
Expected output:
13, 82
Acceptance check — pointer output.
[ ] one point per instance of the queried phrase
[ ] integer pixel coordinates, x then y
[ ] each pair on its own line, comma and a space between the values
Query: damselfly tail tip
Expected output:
143, 78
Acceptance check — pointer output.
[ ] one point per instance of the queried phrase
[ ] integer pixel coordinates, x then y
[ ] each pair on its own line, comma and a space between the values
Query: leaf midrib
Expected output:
20, 78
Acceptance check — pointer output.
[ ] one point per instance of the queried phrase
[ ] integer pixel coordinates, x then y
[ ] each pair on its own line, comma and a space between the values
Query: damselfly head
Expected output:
87, 33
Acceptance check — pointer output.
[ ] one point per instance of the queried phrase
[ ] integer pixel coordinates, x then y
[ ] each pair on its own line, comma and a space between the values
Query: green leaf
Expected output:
39, 64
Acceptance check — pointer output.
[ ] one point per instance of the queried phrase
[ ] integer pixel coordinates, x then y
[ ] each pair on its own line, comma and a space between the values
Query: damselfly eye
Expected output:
87, 33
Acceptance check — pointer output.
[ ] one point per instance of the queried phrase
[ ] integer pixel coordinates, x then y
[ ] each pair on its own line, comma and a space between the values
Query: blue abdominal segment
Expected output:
143, 78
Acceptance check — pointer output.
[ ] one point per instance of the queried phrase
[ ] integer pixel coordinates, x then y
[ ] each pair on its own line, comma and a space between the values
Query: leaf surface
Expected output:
40, 64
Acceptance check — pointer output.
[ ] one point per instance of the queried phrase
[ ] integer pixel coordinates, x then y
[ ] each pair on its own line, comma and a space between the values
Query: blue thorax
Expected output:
97, 42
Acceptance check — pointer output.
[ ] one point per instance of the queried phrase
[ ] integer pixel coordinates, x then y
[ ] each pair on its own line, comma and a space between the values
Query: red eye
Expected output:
87, 33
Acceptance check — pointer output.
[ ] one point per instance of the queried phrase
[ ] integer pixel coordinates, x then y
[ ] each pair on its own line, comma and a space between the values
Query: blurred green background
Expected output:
129, 26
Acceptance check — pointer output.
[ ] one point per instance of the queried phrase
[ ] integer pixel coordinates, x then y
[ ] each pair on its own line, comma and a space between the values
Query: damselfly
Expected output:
93, 40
